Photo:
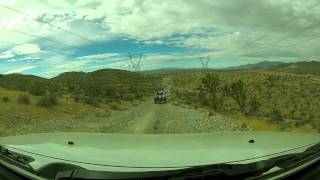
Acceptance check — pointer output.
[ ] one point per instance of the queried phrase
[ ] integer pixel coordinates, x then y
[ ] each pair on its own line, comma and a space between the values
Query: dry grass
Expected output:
257, 124
305, 128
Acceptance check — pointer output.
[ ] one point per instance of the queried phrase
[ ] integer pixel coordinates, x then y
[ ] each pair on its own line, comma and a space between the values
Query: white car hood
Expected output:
141, 152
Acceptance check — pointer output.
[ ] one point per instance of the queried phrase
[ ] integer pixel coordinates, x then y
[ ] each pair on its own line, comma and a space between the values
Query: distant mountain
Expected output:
107, 74
171, 70
103, 76
260, 65
304, 67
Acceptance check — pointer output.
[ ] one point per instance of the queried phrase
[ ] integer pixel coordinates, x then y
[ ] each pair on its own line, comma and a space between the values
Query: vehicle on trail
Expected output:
160, 97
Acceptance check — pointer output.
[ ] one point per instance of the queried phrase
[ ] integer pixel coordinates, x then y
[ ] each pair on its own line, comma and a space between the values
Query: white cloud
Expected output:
104, 56
74, 65
20, 69
25, 49
6, 55
65, 67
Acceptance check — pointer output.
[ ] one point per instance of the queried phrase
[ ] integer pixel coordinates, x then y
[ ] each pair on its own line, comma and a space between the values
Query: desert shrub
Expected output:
311, 117
5, 99
24, 99
254, 105
276, 115
244, 125
37, 89
189, 97
114, 106
48, 100
128, 97
298, 123
77, 98
203, 100
93, 101
283, 126
177, 93
316, 125
134, 103
139, 95
117, 106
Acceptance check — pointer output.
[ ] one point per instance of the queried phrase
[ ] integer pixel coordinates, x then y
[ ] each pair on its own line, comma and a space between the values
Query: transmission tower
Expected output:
135, 61
204, 62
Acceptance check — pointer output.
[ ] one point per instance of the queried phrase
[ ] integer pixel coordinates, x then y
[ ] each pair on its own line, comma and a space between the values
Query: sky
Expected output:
49, 37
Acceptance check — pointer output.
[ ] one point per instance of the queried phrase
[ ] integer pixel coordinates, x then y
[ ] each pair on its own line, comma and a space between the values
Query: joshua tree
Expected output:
209, 86
238, 92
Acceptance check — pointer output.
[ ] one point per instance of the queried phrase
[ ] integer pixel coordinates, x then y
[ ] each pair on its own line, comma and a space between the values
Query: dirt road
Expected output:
167, 118
156, 118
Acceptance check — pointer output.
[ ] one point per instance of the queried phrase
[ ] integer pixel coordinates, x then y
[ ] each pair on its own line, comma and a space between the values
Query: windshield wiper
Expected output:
20, 160
219, 171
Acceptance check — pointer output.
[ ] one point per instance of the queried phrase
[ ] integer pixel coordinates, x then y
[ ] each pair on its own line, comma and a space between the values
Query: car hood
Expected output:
140, 152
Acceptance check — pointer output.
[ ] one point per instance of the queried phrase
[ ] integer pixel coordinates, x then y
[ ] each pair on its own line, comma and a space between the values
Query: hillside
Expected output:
108, 84
260, 65
310, 67
20, 82
105, 83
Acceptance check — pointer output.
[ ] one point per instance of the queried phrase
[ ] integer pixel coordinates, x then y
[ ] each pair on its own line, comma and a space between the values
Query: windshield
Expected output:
159, 67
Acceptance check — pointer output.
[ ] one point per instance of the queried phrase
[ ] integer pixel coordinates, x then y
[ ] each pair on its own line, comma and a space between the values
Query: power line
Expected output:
45, 38
292, 35
7, 49
33, 35
299, 42
11, 43
264, 35
52, 25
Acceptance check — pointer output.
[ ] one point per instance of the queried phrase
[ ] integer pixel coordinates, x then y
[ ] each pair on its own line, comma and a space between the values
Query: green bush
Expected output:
48, 100
5, 99
24, 99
